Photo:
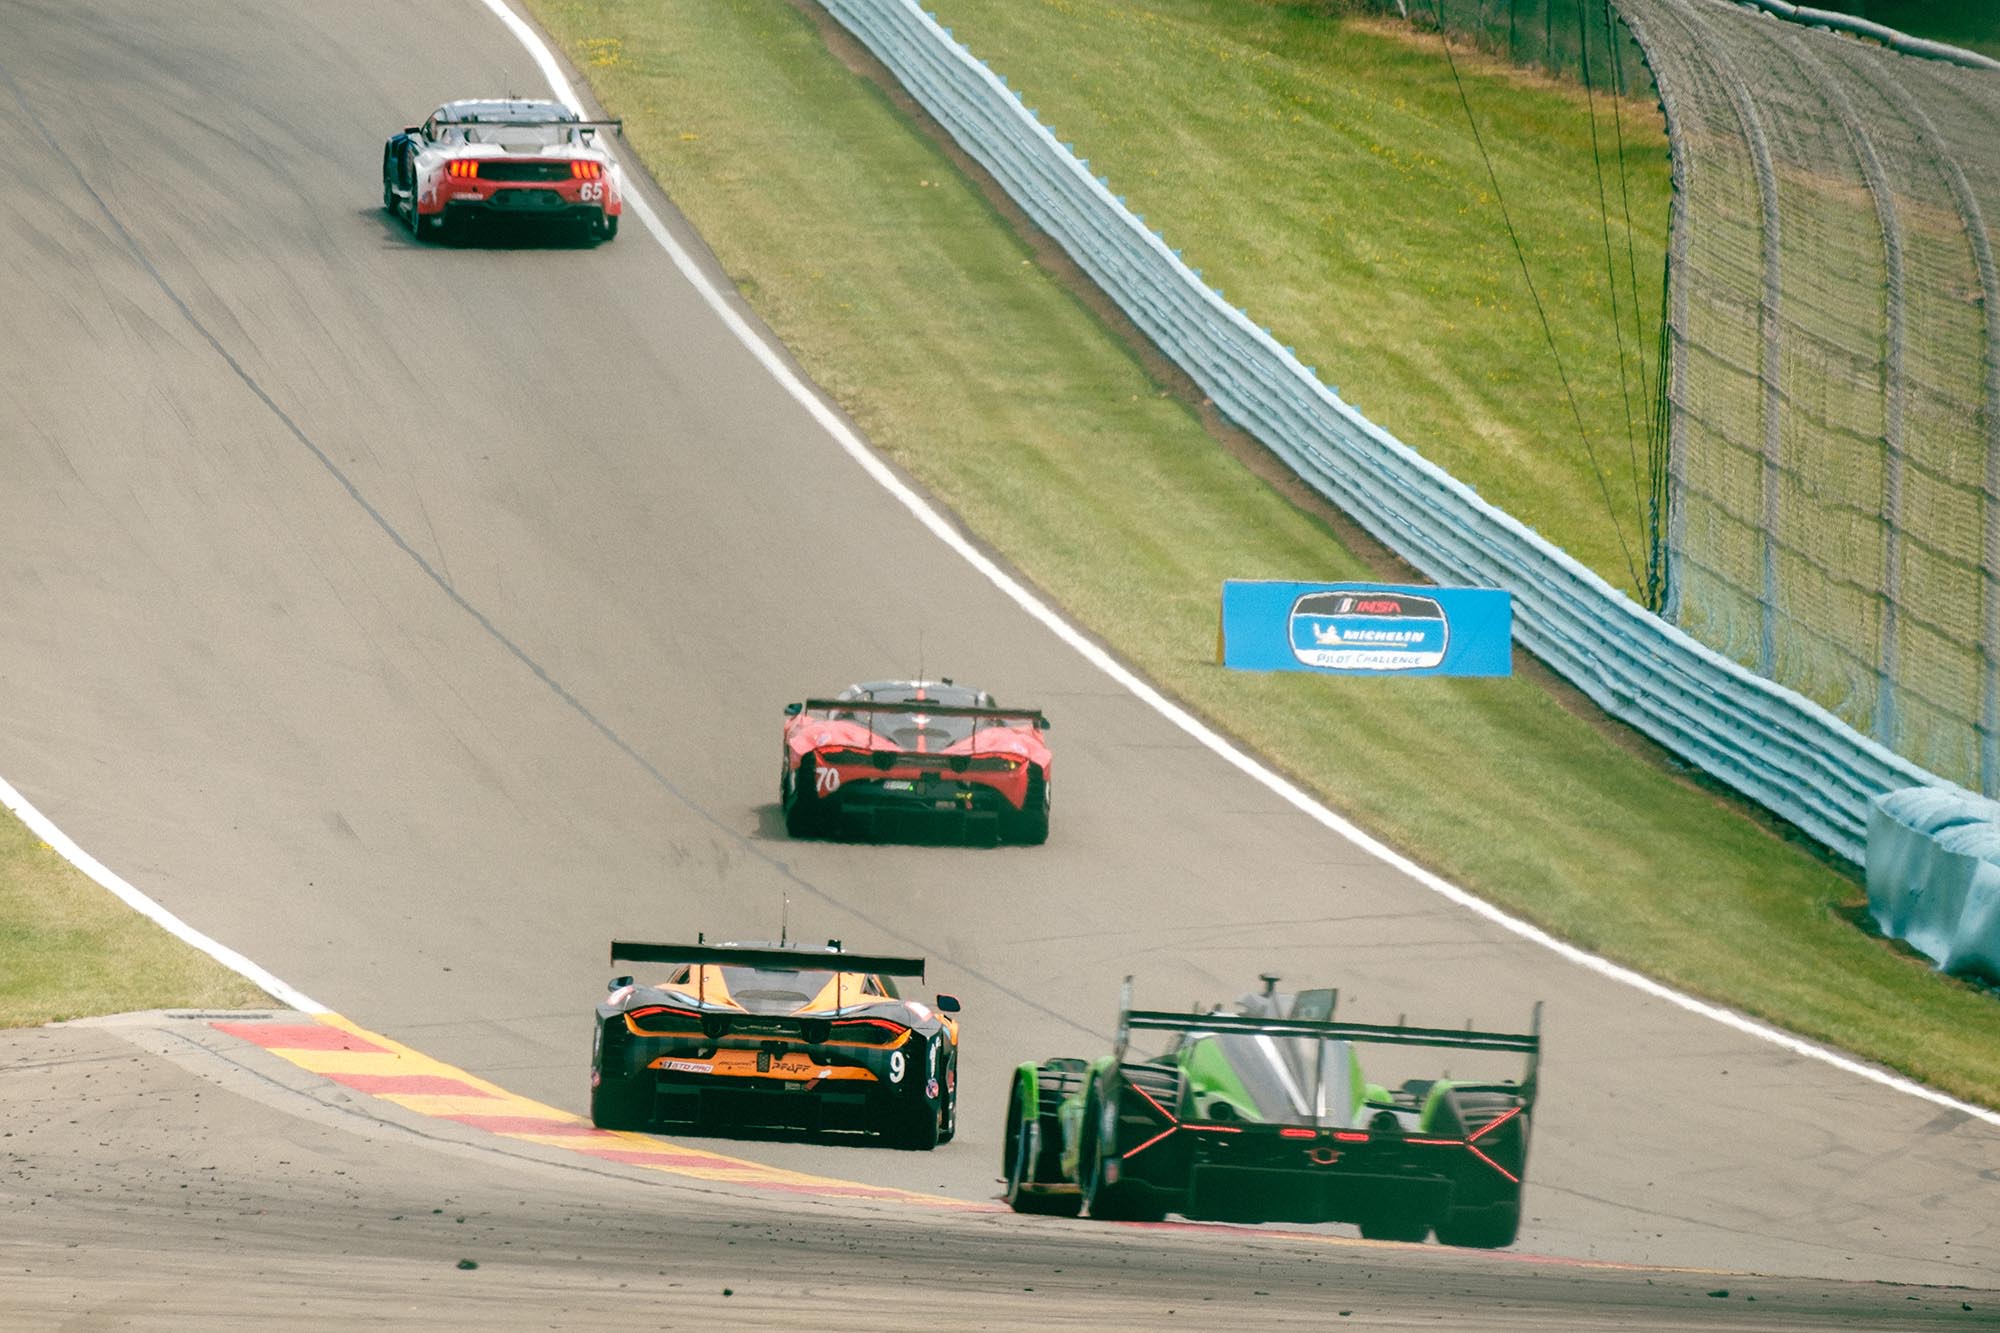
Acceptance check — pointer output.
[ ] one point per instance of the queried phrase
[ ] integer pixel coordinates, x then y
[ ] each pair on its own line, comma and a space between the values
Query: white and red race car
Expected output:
502, 157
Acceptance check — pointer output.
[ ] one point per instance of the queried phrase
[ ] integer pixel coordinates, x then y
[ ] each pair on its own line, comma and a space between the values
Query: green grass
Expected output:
68, 949
1324, 174
907, 296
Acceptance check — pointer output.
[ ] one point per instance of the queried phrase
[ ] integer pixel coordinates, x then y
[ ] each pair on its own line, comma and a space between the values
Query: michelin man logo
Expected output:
1372, 629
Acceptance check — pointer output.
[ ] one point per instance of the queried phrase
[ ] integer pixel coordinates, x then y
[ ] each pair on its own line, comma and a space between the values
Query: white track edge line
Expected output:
858, 449
64, 846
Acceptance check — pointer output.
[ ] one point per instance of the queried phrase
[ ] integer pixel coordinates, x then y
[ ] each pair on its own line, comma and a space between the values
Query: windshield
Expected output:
920, 730
512, 137
780, 990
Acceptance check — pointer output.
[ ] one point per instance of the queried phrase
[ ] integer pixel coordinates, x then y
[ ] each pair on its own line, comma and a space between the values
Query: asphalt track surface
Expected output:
415, 619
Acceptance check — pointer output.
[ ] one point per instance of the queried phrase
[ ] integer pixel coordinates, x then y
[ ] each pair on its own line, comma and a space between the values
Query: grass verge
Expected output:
68, 949
970, 361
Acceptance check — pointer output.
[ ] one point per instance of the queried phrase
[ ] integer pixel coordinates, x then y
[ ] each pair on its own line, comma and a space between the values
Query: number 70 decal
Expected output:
828, 780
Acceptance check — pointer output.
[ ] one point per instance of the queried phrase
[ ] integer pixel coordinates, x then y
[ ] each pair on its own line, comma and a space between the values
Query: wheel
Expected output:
806, 815
388, 184
1392, 1225
916, 1122
916, 1126
1113, 1200
1481, 1229
1033, 1150
616, 1101
1490, 1216
1029, 826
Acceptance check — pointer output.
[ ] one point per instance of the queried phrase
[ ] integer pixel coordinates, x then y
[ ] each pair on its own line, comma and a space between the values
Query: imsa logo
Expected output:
1370, 629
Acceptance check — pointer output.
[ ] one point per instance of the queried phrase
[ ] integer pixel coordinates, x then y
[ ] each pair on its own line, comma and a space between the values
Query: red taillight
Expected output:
1295, 1133
1350, 1136
462, 169
585, 171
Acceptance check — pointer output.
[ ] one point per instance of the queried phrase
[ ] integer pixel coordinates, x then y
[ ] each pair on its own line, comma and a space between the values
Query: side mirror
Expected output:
618, 983
947, 1004
1041, 724
793, 710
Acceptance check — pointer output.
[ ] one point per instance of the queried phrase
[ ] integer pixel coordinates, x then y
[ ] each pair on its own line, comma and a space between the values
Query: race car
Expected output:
766, 1035
502, 157
889, 754
1265, 1115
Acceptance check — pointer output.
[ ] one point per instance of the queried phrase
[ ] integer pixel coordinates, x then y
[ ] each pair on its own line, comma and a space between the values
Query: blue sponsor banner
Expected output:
1369, 629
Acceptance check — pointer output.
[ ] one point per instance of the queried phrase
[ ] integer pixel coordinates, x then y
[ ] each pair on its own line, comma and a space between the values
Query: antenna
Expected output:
920, 654
784, 920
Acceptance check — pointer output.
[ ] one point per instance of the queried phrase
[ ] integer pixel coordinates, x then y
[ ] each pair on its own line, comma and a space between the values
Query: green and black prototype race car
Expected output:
1265, 1115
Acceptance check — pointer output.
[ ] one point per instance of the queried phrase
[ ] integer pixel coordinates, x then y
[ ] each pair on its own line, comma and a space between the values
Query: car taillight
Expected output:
585, 171
993, 763
462, 169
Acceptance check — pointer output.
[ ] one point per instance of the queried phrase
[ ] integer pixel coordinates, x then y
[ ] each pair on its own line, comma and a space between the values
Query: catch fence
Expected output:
1834, 423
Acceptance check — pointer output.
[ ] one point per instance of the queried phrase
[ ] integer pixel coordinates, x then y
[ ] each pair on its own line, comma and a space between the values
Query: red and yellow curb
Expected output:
370, 1063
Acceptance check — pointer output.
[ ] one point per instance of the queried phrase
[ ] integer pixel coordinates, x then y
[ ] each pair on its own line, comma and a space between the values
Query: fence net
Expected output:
1834, 447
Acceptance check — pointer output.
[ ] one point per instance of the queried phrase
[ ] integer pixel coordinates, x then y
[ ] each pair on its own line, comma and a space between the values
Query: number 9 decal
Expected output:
896, 1066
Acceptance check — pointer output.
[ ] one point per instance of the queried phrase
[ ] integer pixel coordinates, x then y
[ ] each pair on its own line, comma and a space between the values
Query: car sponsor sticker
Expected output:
899, 784
687, 1066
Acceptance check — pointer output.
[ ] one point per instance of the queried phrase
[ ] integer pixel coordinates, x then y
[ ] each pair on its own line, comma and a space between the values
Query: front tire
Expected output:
1033, 1152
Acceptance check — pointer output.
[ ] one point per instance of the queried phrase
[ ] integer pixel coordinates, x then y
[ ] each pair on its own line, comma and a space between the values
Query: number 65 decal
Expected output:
590, 191
828, 780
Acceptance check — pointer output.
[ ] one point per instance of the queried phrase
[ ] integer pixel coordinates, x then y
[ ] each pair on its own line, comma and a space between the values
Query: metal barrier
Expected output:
1769, 743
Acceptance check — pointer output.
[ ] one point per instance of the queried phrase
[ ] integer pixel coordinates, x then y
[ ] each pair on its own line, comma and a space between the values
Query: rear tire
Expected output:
1029, 826
1393, 1226
916, 1126
1495, 1221
806, 814
616, 1101
915, 1121
1111, 1200
1483, 1229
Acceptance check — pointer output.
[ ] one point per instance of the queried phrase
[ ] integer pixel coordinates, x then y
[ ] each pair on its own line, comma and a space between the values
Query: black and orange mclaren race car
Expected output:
1265, 1115
760, 1035
890, 754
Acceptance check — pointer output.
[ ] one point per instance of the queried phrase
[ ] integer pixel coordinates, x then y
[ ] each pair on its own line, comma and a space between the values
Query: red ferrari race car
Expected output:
891, 754
502, 158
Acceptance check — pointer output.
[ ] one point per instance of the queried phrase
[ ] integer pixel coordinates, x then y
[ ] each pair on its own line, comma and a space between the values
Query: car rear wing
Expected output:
928, 709
523, 124
800, 960
1528, 1043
